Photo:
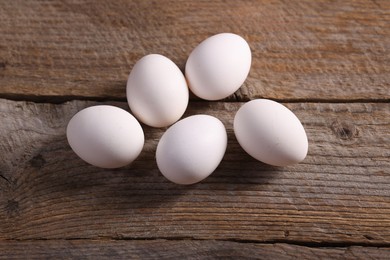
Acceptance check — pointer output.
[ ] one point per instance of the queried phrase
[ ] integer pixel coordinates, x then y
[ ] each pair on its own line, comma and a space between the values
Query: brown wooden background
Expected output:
328, 61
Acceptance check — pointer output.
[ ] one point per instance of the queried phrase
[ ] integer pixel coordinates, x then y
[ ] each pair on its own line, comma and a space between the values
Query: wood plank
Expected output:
322, 50
171, 249
339, 194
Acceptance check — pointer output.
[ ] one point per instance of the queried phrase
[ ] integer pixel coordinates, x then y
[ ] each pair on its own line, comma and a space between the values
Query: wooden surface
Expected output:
179, 249
302, 50
328, 61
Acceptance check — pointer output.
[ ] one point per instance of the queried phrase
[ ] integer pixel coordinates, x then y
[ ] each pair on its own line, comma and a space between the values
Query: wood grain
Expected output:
338, 194
315, 55
173, 249
302, 50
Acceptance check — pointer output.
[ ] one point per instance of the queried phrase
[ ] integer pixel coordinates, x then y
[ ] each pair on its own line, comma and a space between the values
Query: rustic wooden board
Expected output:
314, 55
339, 194
302, 50
178, 249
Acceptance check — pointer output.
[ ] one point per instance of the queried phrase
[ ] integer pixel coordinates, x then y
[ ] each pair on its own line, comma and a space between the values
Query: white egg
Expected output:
191, 149
218, 66
105, 136
270, 132
157, 91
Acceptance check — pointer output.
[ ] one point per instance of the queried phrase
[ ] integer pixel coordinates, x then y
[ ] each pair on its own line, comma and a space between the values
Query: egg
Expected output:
105, 136
270, 132
157, 91
191, 149
218, 66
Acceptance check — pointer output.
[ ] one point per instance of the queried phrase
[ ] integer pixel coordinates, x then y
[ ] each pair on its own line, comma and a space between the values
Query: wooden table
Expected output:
328, 61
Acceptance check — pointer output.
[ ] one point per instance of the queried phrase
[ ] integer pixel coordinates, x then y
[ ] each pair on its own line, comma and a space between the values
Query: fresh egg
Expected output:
270, 132
218, 66
105, 136
157, 91
191, 149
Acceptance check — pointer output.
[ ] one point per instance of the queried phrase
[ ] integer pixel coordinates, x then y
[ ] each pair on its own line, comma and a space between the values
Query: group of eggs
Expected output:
192, 148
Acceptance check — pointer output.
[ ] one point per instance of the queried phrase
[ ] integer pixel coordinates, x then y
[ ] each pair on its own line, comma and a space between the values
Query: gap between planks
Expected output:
233, 98
185, 238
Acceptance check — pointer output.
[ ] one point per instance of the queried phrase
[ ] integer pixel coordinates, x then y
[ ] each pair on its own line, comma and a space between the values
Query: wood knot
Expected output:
37, 161
12, 207
345, 130
3, 65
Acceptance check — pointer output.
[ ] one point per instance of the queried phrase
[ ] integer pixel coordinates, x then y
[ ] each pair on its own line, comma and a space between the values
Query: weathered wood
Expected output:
306, 50
177, 249
338, 194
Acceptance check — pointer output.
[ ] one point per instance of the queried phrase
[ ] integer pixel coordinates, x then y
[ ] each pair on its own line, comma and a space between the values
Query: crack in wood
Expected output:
4, 178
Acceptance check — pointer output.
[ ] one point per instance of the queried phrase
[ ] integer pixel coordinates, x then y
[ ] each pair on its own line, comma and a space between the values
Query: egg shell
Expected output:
270, 132
218, 66
157, 91
105, 136
191, 149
